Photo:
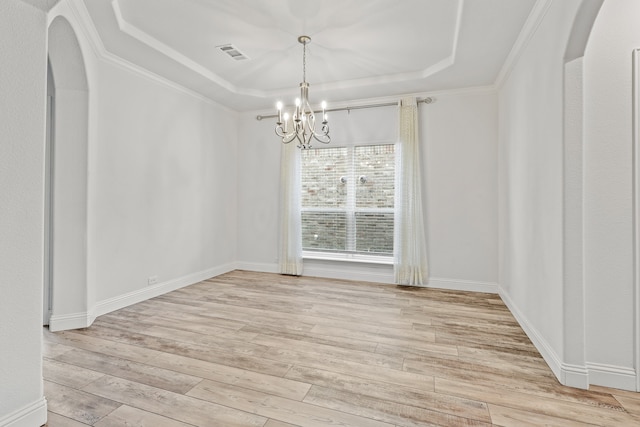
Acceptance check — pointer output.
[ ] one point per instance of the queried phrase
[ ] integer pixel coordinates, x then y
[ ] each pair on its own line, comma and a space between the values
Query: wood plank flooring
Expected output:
256, 349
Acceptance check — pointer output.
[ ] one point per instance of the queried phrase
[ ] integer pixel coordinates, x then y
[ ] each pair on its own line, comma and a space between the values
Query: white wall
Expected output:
22, 134
161, 191
531, 183
161, 194
571, 285
459, 149
608, 195
162, 187
460, 134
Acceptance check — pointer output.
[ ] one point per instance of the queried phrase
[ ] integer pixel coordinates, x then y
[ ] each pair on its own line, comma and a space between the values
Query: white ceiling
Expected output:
360, 48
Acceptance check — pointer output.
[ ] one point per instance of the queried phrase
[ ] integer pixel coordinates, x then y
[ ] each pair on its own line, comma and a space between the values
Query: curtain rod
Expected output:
427, 100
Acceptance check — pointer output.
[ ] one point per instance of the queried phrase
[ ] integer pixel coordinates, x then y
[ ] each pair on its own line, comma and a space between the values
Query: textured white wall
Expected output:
573, 245
22, 134
460, 134
70, 202
459, 149
160, 188
163, 184
581, 312
608, 193
531, 179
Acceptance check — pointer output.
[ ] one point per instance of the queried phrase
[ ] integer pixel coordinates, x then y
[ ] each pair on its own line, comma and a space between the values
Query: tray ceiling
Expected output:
359, 49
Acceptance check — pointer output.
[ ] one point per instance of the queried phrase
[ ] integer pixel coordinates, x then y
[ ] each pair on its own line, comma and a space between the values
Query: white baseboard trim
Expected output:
34, 414
121, 301
463, 285
329, 270
576, 376
538, 341
377, 273
65, 322
260, 267
325, 269
84, 320
612, 376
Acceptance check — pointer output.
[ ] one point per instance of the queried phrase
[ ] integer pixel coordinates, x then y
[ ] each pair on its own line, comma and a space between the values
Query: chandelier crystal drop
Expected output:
301, 125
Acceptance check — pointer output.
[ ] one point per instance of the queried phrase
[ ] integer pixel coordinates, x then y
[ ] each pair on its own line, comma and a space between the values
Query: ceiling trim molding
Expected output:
80, 13
456, 36
145, 38
389, 78
400, 77
537, 14
369, 81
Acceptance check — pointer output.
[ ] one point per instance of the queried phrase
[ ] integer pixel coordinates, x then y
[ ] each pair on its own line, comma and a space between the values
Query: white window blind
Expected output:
348, 199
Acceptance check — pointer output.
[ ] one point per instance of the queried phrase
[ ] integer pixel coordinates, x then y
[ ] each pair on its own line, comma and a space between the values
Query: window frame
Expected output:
385, 259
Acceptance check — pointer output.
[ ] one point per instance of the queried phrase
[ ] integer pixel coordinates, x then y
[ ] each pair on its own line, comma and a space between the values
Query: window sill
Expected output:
363, 259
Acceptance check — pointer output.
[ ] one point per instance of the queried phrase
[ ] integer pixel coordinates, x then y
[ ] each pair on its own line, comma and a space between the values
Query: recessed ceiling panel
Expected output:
343, 46
359, 48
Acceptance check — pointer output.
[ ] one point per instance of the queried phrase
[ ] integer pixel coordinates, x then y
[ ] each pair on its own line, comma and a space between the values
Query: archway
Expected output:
68, 201
575, 372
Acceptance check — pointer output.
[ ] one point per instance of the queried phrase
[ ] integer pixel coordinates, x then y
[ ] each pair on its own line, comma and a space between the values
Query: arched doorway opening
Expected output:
66, 281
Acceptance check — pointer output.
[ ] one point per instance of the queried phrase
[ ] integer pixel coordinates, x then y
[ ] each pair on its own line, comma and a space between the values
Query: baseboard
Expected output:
65, 322
121, 301
538, 341
34, 414
574, 376
463, 285
330, 270
83, 320
577, 376
377, 273
260, 267
612, 376
326, 269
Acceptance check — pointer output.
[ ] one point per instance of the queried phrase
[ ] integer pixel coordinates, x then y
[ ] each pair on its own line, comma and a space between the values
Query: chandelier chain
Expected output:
304, 61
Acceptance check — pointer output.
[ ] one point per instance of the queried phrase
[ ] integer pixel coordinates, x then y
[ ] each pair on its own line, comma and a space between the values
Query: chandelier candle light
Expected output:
303, 121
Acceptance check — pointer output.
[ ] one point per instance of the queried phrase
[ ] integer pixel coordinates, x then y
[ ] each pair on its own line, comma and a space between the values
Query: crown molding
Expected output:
537, 14
81, 15
147, 39
157, 45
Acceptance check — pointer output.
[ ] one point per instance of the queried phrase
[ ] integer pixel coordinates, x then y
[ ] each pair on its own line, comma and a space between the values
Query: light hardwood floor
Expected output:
255, 349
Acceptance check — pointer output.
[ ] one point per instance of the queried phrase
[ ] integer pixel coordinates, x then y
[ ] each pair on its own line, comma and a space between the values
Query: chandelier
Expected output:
301, 125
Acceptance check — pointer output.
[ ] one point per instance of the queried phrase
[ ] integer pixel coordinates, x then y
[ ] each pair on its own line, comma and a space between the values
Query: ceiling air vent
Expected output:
233, 52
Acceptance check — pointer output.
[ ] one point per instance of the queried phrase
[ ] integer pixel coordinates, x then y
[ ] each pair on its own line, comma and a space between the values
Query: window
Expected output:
348, 199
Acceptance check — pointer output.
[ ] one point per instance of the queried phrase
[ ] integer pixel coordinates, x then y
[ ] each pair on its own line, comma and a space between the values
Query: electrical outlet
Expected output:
152, 280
